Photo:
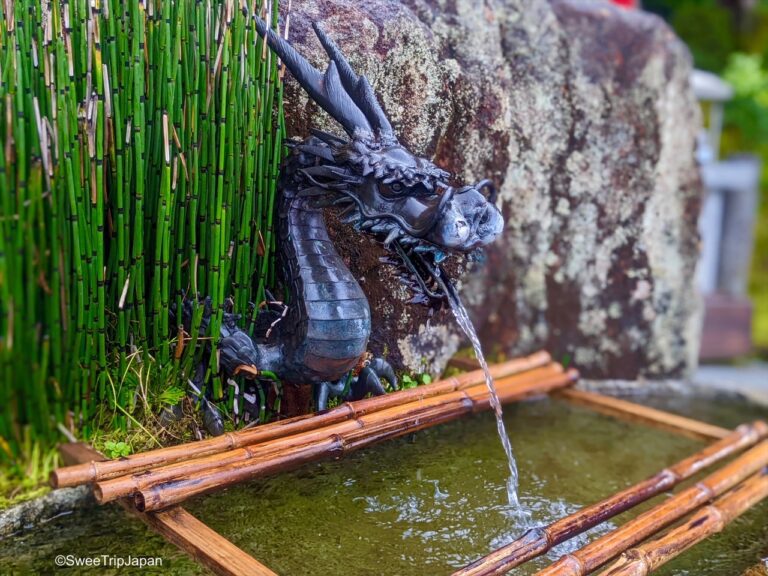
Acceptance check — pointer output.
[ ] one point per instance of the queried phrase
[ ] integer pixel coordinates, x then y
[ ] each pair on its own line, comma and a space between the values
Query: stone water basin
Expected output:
425, 504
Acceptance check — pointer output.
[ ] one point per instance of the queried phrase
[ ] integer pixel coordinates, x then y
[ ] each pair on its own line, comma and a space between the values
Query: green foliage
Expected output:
746, 75
171, 396
27, 477
754, 38
748, 111
708, 30
758, 284
663, 8
142, 144
740, 54
746, 128
116, 449
411, 381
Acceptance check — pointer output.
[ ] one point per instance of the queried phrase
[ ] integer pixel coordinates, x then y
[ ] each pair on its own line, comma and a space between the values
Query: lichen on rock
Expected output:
583, 116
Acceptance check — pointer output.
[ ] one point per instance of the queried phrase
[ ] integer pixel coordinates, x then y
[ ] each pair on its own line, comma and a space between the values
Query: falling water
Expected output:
469, 329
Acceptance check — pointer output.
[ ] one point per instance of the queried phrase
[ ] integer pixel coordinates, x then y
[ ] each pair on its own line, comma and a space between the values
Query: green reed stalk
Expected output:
142, 143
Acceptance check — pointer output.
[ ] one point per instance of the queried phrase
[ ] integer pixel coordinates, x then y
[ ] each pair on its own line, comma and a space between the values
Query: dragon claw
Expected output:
236, 348
213, 422
382, 369
212, 419
326, 390
368, 381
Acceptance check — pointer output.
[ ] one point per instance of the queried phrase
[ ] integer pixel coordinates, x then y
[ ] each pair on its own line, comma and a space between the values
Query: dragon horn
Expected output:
356, 86
325, 89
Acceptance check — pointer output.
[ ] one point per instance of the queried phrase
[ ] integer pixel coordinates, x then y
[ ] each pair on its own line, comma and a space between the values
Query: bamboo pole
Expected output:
636, 412
203, 543
179, 527
707, 521
159, 496
95, 471
514, 386
602, 550
540, 540
624, 409
373, 427
464, 363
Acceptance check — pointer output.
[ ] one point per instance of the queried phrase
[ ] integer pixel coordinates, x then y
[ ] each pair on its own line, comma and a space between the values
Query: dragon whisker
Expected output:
370, 215
409, 264
492, 194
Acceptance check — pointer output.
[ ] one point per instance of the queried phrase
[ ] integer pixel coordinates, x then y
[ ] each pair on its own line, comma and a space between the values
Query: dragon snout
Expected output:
470, 220
453, 233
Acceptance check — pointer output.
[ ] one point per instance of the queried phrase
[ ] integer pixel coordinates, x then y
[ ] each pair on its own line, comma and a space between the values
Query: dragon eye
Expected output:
396, 187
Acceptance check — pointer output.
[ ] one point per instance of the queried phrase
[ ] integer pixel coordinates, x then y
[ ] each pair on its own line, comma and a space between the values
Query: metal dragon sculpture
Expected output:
382, 189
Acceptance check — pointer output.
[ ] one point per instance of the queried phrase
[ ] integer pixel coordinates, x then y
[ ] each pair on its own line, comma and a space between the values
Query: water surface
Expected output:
424, 504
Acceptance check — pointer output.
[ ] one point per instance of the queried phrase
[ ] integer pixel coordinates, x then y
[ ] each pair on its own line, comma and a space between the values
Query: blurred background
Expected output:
728, 40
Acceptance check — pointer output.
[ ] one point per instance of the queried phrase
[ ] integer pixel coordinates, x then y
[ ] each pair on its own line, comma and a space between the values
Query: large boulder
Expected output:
582, 114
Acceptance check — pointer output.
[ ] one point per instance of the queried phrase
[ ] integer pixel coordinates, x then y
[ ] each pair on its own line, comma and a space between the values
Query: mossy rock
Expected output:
582, 113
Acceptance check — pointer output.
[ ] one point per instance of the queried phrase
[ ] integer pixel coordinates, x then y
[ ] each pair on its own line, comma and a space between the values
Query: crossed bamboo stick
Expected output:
744, 482
161, 478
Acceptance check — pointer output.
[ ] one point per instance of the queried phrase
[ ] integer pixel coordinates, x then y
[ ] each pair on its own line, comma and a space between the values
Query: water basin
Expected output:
423, 505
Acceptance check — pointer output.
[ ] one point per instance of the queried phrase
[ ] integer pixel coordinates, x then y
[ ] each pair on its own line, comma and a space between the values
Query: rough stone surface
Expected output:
34, 512
582, 114
748, 380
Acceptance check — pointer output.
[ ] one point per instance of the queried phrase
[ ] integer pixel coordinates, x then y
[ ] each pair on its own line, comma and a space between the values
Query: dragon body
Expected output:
325, 331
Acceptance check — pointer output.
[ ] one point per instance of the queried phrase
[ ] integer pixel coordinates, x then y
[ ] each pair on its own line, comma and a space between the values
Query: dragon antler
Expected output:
357, 87
347, 97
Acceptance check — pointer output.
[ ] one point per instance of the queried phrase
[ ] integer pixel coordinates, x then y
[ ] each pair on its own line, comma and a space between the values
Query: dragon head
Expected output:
384, 188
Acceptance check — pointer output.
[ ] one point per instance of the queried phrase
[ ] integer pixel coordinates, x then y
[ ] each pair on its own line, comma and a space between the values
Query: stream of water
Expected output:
462, 317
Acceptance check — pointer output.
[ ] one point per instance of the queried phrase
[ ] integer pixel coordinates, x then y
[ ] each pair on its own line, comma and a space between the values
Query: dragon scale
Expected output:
329, 320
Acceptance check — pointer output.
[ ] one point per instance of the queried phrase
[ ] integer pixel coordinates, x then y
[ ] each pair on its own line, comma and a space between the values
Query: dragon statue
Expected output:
381, 188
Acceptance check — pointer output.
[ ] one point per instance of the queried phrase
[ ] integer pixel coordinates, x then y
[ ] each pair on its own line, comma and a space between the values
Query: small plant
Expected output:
171, 396
411, 381
114, 449
27, 475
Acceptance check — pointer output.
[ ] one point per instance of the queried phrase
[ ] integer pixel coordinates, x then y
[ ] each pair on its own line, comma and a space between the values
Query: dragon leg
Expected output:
370, 377
325, 390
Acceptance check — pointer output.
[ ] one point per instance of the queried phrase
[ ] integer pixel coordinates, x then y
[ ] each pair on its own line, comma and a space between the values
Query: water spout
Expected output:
462, 317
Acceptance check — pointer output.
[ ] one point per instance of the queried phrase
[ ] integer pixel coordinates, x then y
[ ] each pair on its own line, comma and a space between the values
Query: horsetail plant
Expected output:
142, 145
